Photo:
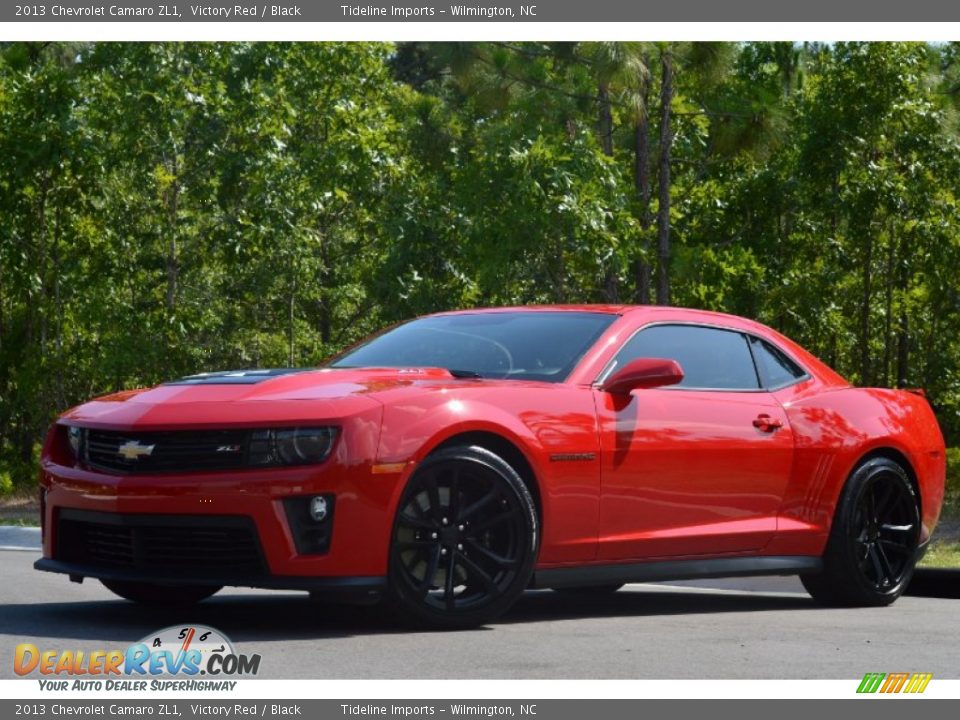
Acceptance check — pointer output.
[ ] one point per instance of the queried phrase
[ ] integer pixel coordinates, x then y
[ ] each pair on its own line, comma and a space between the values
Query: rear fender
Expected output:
834, 431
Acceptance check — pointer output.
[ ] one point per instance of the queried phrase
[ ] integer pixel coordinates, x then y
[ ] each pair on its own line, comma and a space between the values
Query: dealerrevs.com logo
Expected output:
178, 651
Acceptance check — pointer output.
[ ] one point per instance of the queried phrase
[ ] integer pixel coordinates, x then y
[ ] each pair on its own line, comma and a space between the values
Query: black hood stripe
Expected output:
235, 377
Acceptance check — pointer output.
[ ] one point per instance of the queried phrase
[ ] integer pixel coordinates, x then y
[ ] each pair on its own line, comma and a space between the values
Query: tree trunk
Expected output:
605, 127
835, 206
888, 309
867, 284
326, 281
290, 317
172, 273
903, 350
605, 121
642, 182
663, 211
173, 260
61, 399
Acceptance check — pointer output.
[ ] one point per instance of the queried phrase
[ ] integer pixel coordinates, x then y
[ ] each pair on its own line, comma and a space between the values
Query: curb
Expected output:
20, 538
935, 583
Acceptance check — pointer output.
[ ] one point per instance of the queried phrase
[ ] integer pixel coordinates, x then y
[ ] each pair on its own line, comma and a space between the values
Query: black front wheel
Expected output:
872, 550
464, 540
160, 595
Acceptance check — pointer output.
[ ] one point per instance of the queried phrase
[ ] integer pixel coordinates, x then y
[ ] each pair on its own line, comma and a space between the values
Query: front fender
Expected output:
555, 428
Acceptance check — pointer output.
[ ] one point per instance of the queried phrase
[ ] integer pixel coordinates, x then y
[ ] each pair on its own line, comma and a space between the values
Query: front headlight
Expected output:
75, 439
291, 446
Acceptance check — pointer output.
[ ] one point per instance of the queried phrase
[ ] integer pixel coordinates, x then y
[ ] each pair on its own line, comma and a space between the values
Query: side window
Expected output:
711, 358
776, 369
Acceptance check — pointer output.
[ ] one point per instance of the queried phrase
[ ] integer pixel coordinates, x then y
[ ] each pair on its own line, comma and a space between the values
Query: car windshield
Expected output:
542, 345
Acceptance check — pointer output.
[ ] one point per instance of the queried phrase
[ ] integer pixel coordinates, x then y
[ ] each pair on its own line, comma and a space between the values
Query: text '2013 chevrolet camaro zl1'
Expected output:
452, 461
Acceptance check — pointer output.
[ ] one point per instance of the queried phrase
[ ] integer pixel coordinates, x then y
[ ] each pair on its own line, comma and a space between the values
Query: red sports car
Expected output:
453, 461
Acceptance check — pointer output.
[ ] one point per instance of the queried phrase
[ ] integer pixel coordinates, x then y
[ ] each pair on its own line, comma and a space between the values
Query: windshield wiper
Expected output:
464, 373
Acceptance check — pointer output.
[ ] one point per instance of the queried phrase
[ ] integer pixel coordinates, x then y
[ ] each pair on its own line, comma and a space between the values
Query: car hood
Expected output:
252, 398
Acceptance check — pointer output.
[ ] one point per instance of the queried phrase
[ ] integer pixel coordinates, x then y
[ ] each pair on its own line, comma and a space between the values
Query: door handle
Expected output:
767, 424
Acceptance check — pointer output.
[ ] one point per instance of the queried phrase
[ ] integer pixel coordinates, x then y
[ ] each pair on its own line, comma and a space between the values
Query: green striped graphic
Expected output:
871, 682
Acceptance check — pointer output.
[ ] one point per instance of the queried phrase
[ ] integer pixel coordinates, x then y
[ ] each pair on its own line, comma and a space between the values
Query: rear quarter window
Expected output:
776, 369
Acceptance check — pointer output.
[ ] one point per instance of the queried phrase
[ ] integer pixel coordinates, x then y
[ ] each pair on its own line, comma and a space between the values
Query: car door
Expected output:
698, 468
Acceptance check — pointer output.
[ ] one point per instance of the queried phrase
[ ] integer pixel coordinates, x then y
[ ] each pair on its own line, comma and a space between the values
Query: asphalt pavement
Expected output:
734, 628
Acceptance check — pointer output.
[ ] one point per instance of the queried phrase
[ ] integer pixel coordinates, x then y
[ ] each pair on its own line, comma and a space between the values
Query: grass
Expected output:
942, 554
20, 508
19, 522
944, 549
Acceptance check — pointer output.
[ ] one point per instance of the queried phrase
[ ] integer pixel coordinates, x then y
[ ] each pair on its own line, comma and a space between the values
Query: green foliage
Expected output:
951, 506
171, 208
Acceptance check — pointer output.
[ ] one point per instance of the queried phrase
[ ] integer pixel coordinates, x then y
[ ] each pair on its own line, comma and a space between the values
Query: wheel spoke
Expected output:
887, 527
896, 547
494, 521
888, 573
448, 587
408, 520
874, 558
453, 507
897, 537
433, 493
861, 523
431, 572
477, 572
880, 506
416, 545
472, 509
871, 508
500, 560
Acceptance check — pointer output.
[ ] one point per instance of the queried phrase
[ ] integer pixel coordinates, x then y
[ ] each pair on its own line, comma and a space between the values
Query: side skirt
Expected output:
584, 576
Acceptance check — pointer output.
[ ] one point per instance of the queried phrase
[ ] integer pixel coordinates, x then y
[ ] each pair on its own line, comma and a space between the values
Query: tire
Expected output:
464, 540
872, 549
160, 595
590, 590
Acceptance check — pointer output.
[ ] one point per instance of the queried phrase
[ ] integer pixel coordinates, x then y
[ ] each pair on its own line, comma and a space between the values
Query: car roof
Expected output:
606, 309
679, 313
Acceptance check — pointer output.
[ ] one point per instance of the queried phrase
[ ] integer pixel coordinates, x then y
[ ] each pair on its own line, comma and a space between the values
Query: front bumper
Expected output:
355, 562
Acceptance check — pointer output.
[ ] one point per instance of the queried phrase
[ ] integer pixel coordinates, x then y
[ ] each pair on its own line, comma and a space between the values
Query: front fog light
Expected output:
310, 518
318, 508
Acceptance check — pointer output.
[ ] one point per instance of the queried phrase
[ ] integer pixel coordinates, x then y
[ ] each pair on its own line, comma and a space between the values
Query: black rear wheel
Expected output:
872, 549
464, 540
160, 595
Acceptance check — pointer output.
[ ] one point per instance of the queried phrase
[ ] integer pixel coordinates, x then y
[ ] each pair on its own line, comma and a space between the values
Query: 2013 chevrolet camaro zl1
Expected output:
450, 462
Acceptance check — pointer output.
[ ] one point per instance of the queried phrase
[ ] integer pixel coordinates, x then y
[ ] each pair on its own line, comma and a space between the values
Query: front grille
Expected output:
156, 452
161, 545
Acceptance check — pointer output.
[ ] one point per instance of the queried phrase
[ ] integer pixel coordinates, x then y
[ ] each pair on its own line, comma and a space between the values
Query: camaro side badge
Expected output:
572, 457
133, 450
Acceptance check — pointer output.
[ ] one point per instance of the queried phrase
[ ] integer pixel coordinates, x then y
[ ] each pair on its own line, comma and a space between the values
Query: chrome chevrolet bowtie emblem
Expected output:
133, 450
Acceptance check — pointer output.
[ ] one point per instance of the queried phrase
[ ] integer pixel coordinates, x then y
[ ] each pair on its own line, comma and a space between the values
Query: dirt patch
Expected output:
948, 531
20, 508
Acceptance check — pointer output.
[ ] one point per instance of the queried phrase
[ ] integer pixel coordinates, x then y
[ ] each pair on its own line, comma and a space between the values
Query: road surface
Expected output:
758, 628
